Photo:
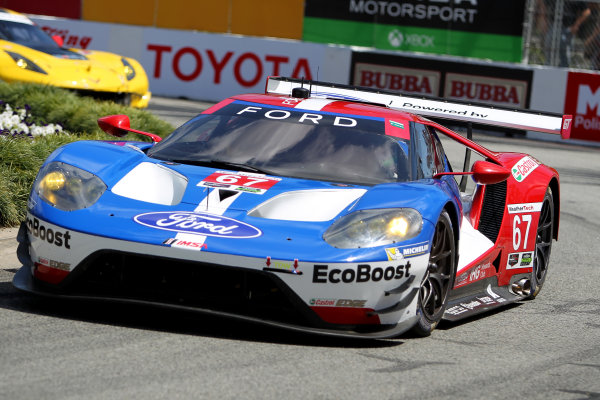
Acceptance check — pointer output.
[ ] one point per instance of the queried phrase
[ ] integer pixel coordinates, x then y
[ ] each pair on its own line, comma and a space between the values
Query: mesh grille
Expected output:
206, 286
494, 202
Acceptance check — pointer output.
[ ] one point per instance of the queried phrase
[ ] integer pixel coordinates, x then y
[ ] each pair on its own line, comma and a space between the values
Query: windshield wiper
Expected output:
225, 164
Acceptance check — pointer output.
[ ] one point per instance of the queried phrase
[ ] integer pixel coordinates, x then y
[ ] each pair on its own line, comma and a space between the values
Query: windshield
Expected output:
25, 34
289, 142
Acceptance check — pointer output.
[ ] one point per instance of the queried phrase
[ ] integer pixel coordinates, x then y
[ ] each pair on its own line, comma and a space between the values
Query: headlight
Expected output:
25, 63
371, 228
128, 69
67, 187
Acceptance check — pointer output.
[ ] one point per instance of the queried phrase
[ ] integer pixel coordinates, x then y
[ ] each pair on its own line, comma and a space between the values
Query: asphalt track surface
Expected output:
548, 348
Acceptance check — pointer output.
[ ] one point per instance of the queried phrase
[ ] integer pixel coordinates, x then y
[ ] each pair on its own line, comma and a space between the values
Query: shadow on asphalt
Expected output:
191, 323
174, 321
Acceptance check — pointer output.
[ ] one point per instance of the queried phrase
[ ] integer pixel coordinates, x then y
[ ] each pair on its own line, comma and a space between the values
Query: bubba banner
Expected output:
469, 28
470, 81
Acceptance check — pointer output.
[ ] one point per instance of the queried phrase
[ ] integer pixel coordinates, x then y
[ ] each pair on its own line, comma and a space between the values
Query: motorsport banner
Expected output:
468, 28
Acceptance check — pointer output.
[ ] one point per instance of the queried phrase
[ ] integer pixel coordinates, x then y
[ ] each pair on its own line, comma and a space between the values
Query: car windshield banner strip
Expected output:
264, 112
435, 107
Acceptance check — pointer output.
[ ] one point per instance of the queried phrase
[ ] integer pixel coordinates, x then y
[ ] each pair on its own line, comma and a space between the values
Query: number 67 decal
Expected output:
249, 183
518, 225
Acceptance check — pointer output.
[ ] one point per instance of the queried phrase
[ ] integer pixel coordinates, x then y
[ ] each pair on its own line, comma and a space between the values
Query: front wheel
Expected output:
438, 279
543, 245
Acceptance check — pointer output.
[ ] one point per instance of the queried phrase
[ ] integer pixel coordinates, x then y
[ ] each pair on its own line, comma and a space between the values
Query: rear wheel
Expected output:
438, 279
543, 245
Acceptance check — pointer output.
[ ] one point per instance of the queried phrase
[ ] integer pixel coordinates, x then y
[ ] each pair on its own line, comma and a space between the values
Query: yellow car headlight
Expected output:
25, 63
371, 228
128, 69
67, 187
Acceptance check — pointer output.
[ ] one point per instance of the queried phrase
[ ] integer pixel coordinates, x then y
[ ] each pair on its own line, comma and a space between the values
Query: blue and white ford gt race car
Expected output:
315, 207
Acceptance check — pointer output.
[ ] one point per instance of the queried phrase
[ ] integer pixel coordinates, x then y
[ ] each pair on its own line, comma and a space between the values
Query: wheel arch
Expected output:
553, 185
454, 213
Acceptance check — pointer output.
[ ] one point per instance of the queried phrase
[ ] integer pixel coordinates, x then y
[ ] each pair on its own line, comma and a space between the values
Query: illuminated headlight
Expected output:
371, 228
128, 69
25, 63
67, 187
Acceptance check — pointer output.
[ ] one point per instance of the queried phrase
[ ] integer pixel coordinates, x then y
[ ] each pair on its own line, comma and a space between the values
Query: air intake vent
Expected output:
207, 286
494, 203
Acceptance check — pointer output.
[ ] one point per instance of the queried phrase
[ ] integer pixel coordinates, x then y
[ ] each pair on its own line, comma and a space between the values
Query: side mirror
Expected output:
119, 126
484, 173
487, 173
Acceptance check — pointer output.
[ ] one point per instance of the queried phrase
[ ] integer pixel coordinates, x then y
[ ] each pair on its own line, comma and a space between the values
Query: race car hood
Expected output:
128, 172
68, 68
154, 201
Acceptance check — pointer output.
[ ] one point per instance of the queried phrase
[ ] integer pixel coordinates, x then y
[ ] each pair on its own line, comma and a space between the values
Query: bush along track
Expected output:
37, 119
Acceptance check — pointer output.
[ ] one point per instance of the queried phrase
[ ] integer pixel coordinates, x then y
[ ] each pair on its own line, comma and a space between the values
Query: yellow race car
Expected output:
28, 54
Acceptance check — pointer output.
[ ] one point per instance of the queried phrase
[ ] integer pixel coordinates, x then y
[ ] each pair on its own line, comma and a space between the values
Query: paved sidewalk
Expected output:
8, 248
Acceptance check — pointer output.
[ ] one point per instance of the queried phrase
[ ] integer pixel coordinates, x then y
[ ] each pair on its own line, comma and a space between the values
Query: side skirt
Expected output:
477, 298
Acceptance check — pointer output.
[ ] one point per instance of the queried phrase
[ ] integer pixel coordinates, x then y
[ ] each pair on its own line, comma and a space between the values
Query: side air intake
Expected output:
494, 203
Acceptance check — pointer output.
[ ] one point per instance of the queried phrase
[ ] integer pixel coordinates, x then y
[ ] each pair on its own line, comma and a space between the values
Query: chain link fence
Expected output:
562, 33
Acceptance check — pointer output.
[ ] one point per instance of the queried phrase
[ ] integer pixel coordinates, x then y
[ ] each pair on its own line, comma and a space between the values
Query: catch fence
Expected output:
562, 33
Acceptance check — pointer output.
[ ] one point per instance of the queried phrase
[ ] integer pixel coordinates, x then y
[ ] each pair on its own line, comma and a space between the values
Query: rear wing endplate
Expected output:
432, 107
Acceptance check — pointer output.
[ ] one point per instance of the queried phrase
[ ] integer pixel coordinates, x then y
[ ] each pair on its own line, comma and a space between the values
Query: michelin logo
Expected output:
400, 253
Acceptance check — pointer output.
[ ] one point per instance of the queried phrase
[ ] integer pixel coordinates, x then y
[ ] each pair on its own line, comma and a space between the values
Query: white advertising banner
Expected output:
205, 66
211, 66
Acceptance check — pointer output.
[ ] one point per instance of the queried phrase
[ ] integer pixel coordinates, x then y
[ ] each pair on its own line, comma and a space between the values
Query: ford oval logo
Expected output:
199, 223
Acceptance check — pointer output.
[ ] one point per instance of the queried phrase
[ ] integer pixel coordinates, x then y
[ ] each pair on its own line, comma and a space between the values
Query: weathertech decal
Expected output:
524, 208
523, 168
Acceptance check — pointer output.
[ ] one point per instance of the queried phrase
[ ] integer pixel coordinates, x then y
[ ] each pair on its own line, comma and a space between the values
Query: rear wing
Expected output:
432, 106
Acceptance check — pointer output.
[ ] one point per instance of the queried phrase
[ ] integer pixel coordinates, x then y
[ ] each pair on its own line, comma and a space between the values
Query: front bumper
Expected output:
326, 299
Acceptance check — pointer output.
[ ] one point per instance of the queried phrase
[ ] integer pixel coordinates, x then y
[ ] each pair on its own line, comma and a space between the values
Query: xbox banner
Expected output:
469, 28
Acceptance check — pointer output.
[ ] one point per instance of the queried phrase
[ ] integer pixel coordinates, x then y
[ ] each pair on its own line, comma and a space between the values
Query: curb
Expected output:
8, 248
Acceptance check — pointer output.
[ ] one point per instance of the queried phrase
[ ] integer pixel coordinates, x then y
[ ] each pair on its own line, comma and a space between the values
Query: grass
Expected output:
21, 157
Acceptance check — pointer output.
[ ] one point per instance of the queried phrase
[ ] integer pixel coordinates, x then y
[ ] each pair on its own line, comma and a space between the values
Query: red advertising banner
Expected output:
63, 8
583, 102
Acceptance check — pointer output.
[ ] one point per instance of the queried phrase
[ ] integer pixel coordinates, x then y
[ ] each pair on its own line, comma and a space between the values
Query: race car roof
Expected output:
9, 15
338, 106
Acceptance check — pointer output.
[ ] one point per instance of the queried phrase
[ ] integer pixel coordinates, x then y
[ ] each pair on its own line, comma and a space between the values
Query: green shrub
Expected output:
76, 114
22, 156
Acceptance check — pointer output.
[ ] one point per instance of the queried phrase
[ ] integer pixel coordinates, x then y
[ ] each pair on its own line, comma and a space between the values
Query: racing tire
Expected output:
543, 245
438, 279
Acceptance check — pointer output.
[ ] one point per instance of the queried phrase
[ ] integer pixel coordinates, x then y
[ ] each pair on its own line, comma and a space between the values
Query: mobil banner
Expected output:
582, 100
470, 28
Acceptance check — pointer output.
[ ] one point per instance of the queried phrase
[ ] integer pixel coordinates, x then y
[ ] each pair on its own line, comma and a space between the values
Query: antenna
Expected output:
301, 92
